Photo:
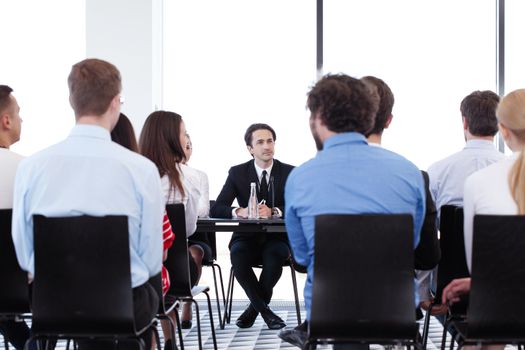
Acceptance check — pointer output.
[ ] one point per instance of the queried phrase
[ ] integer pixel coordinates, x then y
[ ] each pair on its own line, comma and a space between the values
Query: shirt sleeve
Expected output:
204, 199
191, 208
468, 215
151, 243
22, 223
296, 236
420, 208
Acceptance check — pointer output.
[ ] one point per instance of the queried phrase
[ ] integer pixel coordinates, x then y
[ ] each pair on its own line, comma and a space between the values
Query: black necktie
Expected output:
263, 192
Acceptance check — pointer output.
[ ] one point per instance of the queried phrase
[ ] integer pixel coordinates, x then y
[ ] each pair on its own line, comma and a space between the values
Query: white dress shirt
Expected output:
276, 211
8, 165
192, 192
88, 174
448, 175
487, 192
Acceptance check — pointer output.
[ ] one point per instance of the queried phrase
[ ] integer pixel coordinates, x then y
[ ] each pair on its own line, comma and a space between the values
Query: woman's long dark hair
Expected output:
160, 142
124, 134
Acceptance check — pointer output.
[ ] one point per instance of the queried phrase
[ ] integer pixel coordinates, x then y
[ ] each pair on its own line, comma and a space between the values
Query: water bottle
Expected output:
253, 207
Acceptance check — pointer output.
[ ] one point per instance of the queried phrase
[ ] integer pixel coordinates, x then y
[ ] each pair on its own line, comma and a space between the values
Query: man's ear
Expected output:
465, 123
388, 121
249, 148
5, 121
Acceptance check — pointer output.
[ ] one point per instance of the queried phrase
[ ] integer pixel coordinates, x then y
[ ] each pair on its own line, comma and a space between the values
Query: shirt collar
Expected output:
345, 137
259, 170
479, 144
91, 131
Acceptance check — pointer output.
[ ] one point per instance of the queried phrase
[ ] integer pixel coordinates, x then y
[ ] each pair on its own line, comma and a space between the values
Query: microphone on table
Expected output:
273, 192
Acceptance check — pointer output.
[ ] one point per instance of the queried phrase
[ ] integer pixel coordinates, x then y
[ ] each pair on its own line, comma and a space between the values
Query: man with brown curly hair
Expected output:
343, 177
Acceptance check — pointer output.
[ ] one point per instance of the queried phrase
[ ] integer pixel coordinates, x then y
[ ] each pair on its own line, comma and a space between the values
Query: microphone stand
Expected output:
273, 192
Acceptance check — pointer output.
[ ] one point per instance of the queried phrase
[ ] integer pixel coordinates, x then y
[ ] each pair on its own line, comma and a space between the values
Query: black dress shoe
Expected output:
186, 324
272, 320
294, 336
247, 318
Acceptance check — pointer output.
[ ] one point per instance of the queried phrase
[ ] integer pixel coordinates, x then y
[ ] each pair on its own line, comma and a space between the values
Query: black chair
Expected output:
496, 303
14, 296
452, 265
363, 288
177, 264
210, 239
231, 282
82, 286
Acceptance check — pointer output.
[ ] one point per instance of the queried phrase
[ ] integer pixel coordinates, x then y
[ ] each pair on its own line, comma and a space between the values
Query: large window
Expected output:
430, 53
514, 50
41, 40
228, 64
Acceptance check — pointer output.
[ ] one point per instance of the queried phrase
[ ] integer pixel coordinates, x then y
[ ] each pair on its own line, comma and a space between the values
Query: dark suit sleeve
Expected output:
428, 252
223, 205
286, 170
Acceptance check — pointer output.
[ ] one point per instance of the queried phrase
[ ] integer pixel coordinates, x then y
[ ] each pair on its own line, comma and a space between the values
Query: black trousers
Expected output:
145, 307
271, 253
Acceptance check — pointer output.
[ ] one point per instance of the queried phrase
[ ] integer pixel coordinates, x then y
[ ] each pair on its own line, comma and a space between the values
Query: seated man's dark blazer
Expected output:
428, 252
237, 186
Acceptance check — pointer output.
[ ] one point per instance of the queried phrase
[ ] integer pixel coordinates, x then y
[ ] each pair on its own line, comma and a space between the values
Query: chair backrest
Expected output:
453, 263
82, 279
177, 262
363, 284
497, 304
14, 296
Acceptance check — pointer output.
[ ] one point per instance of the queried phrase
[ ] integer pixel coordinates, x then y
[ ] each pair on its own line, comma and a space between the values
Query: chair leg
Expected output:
426, 326
444, 336
232, 279
179, 328
156, 334
198, 322
296, 295
211, 321
217, 296
222, 284
228, 301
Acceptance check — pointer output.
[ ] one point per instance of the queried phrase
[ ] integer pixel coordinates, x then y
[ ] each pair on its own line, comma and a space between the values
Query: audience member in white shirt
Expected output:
10, 129
163, 139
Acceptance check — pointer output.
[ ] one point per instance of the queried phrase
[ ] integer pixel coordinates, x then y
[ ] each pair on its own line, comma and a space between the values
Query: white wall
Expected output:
127, 34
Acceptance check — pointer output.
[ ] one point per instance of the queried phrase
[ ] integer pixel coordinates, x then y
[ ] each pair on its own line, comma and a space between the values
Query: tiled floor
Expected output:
259, 337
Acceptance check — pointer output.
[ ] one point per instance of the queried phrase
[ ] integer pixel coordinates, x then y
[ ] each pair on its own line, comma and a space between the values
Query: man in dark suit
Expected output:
248, 249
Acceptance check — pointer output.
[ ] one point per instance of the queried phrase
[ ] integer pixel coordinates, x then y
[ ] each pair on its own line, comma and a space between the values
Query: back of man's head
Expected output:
386, 103
93, 83
479, 111
343, 103
5, 100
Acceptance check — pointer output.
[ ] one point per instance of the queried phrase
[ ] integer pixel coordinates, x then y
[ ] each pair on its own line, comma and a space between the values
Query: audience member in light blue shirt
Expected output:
88, 174
448, 175
347, 176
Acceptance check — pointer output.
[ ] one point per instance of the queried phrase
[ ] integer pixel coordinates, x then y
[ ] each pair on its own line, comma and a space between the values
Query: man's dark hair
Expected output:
479, 109
248, 135
5, 91
386, 103
344, 103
